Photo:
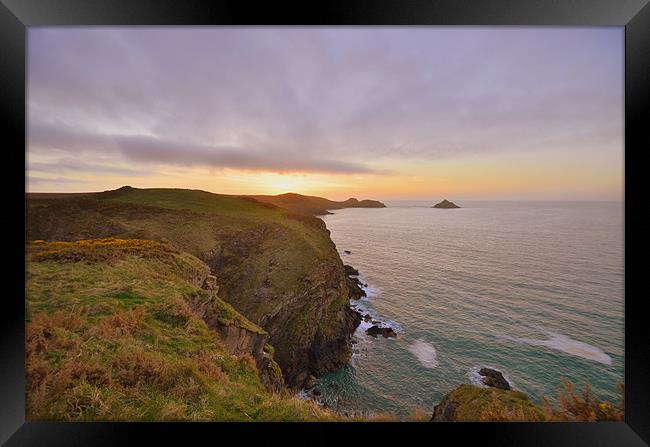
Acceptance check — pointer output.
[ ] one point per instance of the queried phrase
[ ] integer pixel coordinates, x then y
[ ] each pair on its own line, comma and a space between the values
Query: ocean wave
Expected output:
425, 353
567, 345
475, 378
362, 306
371, 292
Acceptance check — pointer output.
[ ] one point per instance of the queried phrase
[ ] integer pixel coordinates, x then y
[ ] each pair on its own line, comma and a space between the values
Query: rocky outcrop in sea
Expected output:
445, 204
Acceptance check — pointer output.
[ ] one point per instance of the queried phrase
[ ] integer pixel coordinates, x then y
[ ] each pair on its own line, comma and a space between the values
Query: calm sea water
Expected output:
533, 289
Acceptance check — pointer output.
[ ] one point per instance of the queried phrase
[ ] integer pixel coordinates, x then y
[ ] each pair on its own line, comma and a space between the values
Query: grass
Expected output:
199, 201
264, 256
199, 223
495, 405
113, 336
484, 404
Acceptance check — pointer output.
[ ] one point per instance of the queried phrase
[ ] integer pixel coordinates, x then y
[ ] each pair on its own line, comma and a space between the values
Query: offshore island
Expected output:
445, 204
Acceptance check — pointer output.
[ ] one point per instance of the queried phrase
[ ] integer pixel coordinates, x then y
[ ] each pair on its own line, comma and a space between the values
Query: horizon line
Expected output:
404, 199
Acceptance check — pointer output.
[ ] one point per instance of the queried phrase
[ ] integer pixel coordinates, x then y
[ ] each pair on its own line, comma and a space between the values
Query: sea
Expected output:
532, 289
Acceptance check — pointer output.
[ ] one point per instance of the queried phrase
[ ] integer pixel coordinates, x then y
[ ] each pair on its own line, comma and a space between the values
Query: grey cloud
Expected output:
64, 165
36, 180
161, 151
322, 100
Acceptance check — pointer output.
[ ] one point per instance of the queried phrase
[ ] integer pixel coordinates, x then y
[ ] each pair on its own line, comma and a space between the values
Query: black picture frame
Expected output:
17, 15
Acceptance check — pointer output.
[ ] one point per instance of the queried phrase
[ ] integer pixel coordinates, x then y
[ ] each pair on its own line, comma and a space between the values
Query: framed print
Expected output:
385, 218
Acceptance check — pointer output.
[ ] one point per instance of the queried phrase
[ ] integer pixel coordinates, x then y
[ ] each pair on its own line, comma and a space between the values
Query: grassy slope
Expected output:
298, 248
290, 248
111, 336
196, 222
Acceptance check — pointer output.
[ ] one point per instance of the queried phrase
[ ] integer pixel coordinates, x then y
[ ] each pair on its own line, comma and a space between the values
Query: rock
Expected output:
210, 283
367, 318
384, 331
356, 292
467, 403
445, 204
310, 382
445, 411
351, 271
494, 378
347, 252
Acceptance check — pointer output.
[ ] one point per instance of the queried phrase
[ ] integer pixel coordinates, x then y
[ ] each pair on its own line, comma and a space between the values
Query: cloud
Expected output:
67, 165
344, 100
36, 180
159, 151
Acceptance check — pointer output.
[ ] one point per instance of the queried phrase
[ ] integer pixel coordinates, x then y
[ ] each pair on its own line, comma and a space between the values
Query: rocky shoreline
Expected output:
357, 291
356, 288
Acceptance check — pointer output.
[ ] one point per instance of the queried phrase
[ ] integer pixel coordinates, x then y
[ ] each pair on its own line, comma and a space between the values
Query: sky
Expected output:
498, 113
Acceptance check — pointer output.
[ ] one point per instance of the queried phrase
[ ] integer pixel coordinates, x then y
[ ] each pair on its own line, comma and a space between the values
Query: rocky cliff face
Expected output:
310, 324
240, 341
237, 337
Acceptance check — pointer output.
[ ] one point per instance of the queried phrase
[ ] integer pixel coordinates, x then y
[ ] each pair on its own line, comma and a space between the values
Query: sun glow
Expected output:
271, 183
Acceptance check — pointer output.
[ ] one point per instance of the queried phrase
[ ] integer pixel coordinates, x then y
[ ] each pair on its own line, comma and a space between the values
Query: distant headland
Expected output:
446, 204
313, 205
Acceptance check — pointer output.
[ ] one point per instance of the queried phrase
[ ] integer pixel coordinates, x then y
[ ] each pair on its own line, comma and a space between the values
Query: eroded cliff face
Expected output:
312, 330
240, 341
238, 336
307, 315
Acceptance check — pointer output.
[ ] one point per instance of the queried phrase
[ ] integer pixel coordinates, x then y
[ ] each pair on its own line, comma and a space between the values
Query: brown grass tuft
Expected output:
497, 411
584, 406
92, 251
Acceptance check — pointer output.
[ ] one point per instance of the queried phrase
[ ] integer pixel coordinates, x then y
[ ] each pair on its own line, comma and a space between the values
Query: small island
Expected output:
446, 204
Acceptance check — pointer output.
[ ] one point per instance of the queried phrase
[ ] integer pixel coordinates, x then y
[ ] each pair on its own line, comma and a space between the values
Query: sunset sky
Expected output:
383, 113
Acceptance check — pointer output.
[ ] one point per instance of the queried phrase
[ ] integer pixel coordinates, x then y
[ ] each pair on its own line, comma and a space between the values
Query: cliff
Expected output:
279, 269
314, 205
135, 330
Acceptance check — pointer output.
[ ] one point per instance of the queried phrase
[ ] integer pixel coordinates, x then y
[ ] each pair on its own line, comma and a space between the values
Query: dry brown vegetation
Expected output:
92, 251
570, 406
583, 405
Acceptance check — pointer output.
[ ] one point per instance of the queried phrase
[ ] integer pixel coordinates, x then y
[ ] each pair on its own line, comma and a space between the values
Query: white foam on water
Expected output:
475, 378
425, 353
361, 306
371, 292
567, 345
303, 394
364, 325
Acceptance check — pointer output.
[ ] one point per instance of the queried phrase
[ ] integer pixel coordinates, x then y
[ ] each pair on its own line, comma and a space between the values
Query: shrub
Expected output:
583, 406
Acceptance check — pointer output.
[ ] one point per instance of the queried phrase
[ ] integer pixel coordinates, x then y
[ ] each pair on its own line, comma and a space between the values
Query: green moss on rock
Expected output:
469, 403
